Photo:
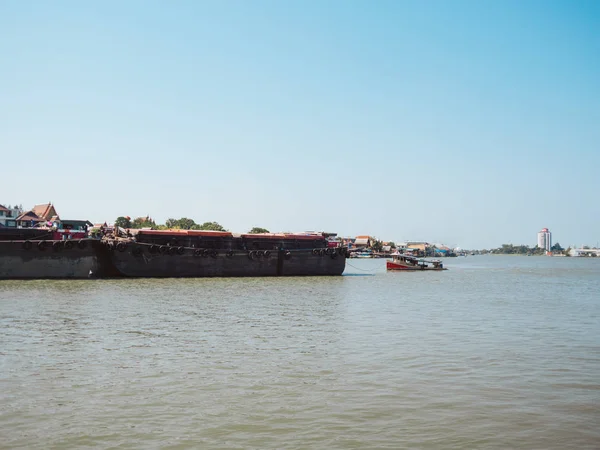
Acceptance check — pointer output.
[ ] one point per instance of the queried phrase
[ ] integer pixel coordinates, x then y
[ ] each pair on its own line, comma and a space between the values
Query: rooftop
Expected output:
30, 215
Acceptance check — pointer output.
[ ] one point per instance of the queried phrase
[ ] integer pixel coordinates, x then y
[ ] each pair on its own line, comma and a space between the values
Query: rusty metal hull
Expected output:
137, 261
53, 259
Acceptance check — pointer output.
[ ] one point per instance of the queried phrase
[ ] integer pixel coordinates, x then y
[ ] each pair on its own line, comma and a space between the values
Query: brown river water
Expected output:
498, 352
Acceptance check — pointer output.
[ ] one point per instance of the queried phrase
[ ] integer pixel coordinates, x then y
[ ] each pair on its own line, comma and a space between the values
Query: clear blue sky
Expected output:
473, 123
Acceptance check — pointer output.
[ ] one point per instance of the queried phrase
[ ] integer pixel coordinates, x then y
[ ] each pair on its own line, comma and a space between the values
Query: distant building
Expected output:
348, 241
420, 246
362, 242
28, 219
8, 216
39, 215
544, 239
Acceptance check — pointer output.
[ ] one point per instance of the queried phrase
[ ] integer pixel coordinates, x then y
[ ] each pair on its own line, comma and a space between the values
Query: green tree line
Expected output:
183, 223
509, 249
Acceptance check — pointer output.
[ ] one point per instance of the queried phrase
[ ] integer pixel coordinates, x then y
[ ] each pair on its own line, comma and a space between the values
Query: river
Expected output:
499, 352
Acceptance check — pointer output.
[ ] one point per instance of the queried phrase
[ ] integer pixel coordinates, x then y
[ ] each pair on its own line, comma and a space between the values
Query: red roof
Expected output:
209, 233
300, 237
264, 236
186, 233
41, 210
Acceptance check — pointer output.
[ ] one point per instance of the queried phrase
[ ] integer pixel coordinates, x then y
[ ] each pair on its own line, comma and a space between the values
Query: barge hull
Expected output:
136, 261
27, 260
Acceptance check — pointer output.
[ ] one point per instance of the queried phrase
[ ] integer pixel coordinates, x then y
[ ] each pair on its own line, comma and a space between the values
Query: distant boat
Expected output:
401, 262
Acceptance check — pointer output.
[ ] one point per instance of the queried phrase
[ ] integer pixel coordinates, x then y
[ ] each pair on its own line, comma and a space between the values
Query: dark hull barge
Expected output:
34, 254
189, 253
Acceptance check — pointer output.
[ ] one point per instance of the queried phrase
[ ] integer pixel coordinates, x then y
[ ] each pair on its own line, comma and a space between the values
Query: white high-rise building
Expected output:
545, 239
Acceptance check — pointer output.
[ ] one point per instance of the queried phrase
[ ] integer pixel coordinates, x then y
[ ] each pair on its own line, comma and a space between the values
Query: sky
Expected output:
468, 123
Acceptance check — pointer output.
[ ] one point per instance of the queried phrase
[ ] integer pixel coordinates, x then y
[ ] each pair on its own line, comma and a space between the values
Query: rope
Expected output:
358, 268
37, 238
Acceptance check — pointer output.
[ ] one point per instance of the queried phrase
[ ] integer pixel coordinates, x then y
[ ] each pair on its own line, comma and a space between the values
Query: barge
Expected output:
38, 253
193, 253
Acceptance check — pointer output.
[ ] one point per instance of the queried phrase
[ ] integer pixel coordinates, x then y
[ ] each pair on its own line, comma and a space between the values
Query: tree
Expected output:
182, 224
556, 248
186, 224
211, 226
509, 249
376, 245
171, 223
392, 244
259, 230
143, 222
123, 222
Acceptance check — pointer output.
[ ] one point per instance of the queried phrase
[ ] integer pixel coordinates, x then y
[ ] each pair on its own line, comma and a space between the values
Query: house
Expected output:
414, 248
28, 219
420, 246
362, 242
45, 211
8, 216
388, 247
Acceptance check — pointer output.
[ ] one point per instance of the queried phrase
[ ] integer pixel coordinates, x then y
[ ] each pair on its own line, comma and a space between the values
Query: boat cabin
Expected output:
402, 261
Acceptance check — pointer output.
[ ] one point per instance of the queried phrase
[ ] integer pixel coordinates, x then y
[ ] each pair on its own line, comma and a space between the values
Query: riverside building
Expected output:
544, 239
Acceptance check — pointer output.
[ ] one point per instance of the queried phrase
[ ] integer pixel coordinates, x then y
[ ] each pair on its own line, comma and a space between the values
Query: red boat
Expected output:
406, 262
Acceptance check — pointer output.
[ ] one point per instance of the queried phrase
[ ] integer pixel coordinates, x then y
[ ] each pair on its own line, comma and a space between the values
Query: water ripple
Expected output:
495, 353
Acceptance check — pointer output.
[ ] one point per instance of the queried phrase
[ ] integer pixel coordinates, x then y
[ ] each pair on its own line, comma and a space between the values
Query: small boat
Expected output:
407, 262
